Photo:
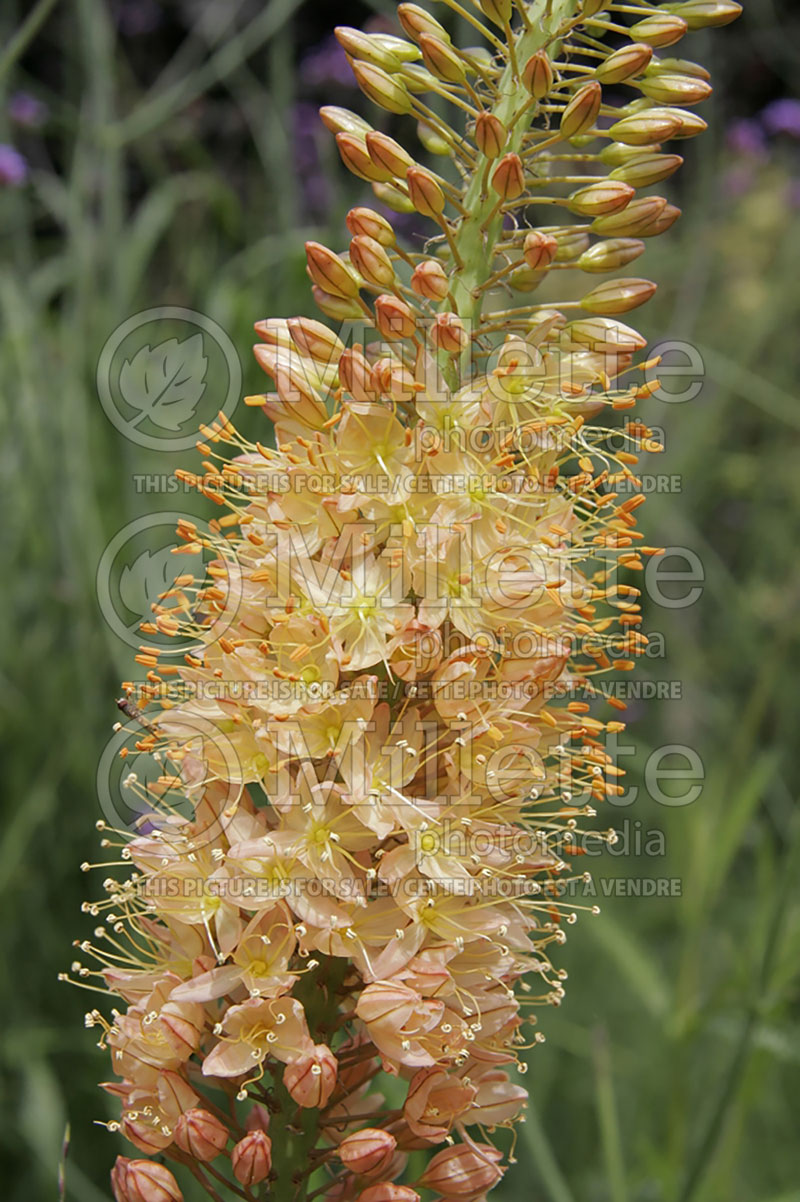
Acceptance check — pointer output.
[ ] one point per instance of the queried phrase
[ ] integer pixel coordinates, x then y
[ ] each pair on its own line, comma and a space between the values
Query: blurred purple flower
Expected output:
326, 64
13, 167
306, 130
27, 110
782, 117
738, 180
747, 137
135, 17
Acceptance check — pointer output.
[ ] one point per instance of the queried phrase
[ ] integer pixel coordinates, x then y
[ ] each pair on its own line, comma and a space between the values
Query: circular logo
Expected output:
163, 372
144, 791
148, 574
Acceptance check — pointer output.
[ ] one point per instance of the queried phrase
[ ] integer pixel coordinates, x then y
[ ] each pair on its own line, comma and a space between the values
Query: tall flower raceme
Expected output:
335, 920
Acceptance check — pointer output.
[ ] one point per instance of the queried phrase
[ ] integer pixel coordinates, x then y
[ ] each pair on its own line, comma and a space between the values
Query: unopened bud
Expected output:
464, 1172
680, 66
442, 59
508, 177
430, 281
312, 1079
416, 21
394, 380
689, 124
343, 121
382, 88
433, 142
632, 220
661, 222
618, 296
388, 155
603, 336
315, 340
200, 1134
625, 63
645, 128
356, 158
366, 222
607, 196
490, 135
367, 1151
702, 14
145, 1135
499, 11
662, 29
591, 8
393, 198
538, 75
611, 254
570, 245
329, 272
582, 111
258, 1119
143, 1181
646, 169
539, 250
371, 261
394, 318
425, 193
666, 88
448, 333
387, 1191
251, 1159
335, 307
366, 48
355, 375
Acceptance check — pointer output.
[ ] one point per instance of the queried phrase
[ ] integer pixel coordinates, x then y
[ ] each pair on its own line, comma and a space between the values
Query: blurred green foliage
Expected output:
166, 171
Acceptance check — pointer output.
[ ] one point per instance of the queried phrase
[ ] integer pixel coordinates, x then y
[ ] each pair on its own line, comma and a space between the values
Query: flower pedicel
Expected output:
331, 932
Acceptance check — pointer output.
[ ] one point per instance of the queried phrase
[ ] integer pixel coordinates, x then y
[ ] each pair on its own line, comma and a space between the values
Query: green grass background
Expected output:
165, 174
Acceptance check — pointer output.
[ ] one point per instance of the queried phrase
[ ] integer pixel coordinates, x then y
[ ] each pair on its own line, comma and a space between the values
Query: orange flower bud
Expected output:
662, 29
367, 1151
394, 318
388, 155
499, 11
314, 339
702, 14
343, 121
661, 222
442, 59
609, 196
602, 335
569, 245
490, 135
646, 169
382, 88
463, 1171
366, 48
251, 1159
200, 1134
144, 1134
508, 177
618, 296
329, 272
356, 158
582, 111
633, 219
387, 1191
538, 75
258, 1119
143, 1181
416, 21
645, 128
430, 280
666, 88
611, 255
625, 63
448, 333
691, 124
312, 1079
371, 261
355, 375
539, 250
426, 195
394, 380
335, 307
372, 225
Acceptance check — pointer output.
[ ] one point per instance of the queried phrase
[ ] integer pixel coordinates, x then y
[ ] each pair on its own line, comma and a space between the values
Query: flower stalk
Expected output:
381, 720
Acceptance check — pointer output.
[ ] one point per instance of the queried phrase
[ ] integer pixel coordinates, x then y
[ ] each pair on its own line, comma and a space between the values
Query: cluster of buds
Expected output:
336, 917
